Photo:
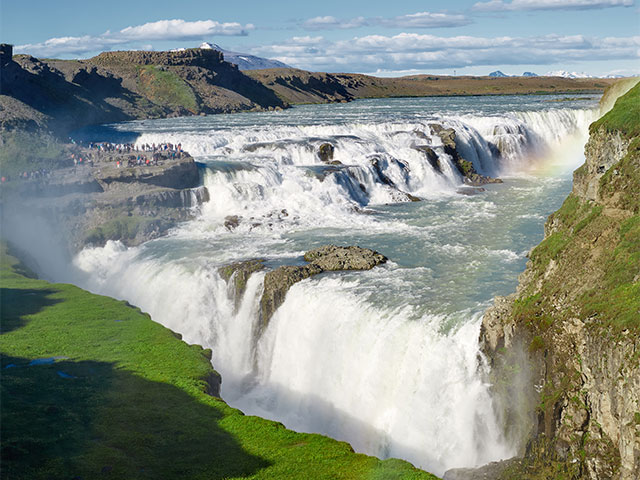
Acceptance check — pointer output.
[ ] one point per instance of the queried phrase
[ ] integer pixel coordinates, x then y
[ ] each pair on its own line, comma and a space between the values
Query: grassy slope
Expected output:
136, 405
166, 88
624, 117
596, 247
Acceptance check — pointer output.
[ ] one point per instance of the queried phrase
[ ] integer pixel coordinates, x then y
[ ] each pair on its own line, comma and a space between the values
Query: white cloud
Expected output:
332, 23
501, 5
161, 30
407, 51
426, 20
414, 20
182, 30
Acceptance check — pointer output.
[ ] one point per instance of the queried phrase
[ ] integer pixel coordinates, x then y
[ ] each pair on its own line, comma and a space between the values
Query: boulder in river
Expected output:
325, 152
329, 258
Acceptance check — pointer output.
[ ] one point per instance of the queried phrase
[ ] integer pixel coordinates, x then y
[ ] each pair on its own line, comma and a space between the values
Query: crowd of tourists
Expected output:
159, 152
139, 155
131, 147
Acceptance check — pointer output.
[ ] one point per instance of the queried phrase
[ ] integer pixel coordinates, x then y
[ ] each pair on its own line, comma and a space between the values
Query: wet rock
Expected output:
448, 137
432, 156
213, 381
329, 258
476, 180
376, 163
231, 222
465, 167
470, 190
490, 471
325, 152
238, 273
277, 284
333, 258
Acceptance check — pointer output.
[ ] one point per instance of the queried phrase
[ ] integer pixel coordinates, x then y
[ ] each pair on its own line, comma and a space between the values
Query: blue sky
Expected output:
598, 37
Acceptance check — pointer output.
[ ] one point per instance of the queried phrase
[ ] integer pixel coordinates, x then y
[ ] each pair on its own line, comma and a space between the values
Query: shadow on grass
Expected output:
16, 303
87, 420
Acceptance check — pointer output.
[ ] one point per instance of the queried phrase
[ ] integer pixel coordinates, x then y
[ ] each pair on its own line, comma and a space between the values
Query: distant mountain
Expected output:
529, 74
565, 74
245, 61
497, 73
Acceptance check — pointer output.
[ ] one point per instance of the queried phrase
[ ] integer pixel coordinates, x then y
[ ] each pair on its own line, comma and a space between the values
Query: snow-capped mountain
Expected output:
529, 74
244, 60
565, 74
497, 73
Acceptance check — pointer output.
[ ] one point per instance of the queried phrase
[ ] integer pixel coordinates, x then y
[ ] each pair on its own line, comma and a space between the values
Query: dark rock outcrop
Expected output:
237, 275
329, 258
325, 152
431, 155
333, 258
465, 167
117, 86
97, 201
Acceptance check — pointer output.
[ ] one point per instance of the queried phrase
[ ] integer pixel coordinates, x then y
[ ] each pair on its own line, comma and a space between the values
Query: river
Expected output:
386, 359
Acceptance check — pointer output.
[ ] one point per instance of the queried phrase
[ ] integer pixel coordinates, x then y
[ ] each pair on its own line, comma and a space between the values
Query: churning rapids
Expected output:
386, 359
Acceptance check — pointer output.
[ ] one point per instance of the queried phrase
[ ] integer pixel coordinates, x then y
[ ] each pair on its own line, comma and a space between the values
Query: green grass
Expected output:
127, 399
23, 151
618, 299
624, 117
166, 88
549, 249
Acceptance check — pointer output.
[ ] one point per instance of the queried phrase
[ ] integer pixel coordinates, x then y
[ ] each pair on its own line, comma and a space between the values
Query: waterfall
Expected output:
388, 359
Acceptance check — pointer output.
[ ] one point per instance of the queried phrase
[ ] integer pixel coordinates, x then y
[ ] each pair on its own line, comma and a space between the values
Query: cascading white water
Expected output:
385, 359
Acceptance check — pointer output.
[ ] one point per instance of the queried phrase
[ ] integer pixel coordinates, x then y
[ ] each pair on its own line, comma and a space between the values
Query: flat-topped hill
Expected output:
195, 57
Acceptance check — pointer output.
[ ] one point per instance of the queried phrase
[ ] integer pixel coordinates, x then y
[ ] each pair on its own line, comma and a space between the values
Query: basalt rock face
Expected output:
565, 348
328, 258
603, 150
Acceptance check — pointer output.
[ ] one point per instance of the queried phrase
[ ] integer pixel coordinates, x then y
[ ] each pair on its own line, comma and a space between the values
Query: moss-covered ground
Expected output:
93, 388
165, 87
595, 247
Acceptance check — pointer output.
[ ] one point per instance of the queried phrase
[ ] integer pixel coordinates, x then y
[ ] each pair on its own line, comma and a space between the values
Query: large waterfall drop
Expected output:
385, 359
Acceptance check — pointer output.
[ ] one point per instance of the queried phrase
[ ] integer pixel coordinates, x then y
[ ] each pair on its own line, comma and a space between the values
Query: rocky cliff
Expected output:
100, 199
565, 348
61, 95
